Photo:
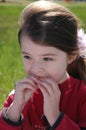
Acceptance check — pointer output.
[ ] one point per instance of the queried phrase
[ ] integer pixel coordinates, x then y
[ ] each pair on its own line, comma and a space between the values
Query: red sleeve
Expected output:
5, 126
9, 99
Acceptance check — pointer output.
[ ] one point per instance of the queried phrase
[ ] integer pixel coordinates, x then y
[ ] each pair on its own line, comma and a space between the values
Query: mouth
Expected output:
39, 77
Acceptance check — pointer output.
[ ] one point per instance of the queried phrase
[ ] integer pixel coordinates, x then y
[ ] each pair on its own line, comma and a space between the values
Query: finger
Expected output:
26, 81
23, 85
32, 82
53, 83
43, 90
47, 87
35, 78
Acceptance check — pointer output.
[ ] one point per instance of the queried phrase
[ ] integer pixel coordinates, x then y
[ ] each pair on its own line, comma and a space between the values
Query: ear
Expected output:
71, 58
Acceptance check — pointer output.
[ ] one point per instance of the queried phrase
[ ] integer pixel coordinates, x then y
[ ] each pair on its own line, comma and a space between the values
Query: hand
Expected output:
23, 91
51, 93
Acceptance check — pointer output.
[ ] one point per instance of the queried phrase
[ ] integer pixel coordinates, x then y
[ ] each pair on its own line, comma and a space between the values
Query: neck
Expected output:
66, 76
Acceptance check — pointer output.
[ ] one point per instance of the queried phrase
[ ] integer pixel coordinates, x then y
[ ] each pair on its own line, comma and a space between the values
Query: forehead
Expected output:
30, 46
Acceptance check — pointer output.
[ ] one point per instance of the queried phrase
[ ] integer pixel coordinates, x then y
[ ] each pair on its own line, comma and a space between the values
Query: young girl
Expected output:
53, 94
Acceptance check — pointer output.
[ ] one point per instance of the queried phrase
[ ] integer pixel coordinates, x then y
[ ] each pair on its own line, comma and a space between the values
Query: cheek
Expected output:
55, 74
52, 72
58, 72
26, 66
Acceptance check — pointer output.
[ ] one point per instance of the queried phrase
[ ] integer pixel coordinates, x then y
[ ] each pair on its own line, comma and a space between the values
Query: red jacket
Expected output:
72, 103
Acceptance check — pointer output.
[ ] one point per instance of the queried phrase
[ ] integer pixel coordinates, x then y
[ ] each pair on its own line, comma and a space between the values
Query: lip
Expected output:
39, 77
36, 76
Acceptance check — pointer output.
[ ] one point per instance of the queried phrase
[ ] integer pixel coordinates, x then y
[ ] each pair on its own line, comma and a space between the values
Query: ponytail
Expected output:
77, 68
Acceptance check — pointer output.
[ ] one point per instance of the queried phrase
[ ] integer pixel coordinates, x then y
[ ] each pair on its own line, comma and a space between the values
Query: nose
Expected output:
37, 68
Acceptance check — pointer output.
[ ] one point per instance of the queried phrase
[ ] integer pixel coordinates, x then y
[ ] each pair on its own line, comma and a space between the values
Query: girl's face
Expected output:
44, 61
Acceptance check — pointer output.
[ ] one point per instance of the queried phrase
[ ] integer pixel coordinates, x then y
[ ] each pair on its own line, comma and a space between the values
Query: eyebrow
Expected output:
49, 54
25, 53
46, 54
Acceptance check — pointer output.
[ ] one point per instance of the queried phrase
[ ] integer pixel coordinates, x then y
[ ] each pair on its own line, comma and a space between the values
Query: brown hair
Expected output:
51, 24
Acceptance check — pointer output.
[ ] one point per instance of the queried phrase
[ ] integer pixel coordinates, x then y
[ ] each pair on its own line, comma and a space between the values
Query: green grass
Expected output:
79, 9
11, 66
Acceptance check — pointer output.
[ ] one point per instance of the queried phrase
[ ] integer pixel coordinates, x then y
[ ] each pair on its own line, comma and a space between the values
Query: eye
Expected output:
47, 59
27, 57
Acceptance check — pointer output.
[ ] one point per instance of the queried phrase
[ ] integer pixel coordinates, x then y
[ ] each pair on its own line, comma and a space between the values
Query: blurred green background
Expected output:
11, 66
